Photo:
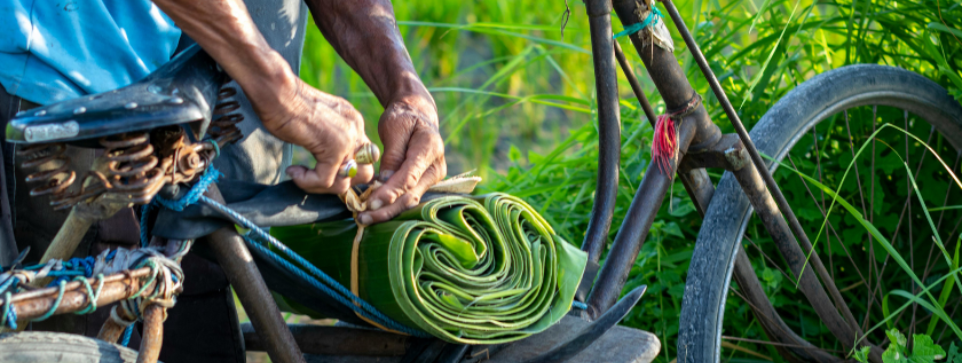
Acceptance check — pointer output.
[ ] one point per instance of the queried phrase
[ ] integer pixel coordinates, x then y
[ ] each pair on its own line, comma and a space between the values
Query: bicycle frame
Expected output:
701, 145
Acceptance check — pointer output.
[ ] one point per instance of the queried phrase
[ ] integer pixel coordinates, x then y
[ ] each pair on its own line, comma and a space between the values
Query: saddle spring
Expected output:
223, 128
132, 167
57, 178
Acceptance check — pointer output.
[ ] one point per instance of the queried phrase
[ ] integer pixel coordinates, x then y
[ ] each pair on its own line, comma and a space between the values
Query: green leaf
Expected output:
895, 353
954, 355
861, 355
681, 209
943, 28
672, 229
514, 154
925, 350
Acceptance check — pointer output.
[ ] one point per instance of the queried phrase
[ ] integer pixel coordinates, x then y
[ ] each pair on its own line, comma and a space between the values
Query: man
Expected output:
59, 50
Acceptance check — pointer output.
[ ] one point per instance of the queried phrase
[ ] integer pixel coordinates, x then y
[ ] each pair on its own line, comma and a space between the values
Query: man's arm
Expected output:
327, 126
365, 34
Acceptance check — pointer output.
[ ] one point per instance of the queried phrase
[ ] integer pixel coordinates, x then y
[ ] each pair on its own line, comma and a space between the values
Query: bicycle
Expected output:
749, 184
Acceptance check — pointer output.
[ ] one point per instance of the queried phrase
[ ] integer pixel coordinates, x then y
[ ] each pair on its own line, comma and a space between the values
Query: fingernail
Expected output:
376, 204
385, 175
365, 219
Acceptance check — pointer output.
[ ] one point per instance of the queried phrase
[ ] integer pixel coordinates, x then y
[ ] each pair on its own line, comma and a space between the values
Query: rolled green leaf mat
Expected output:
470, 270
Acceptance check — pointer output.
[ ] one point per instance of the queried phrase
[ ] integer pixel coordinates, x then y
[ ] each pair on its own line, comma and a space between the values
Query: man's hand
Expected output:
365, 34
327, 126
413, 158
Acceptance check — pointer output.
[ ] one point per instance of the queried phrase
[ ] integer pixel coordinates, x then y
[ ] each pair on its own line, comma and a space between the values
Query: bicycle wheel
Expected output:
853, 101
43, 347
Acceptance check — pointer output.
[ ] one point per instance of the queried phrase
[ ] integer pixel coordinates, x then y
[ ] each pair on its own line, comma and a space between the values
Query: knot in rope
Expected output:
209, 177
166, 270
651, 20
169, 278
665, 143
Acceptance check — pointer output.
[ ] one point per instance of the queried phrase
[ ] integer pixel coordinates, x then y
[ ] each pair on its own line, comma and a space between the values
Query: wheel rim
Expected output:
835, 244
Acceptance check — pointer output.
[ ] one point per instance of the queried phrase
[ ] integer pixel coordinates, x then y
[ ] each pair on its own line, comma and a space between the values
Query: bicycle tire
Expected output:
710, 272
43, 347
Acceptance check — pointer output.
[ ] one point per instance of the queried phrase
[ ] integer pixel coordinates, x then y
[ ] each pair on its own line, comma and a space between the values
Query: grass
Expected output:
517, 105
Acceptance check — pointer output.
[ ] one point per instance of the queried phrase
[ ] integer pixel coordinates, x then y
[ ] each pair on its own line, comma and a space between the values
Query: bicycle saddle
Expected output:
182, 91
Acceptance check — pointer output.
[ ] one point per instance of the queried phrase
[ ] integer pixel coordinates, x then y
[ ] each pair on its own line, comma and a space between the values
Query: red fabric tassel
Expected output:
664, 144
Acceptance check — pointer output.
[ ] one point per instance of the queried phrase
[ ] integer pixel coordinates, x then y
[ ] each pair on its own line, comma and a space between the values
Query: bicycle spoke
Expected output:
898, 226
938, 227
766, 342
767, 258
831, 227
858, 179
873, 266
908, 192
818, 169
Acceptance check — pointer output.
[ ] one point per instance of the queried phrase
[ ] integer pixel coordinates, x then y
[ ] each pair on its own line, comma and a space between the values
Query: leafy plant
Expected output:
924, 350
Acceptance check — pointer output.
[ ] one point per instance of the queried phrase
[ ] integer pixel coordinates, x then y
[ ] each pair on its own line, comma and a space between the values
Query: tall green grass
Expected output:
517, 104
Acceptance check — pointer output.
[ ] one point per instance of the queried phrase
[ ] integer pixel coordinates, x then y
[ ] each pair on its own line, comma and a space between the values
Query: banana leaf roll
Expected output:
467, 269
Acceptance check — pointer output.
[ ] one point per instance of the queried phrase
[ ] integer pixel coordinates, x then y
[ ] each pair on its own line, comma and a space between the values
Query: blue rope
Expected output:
91, 295
210, 177
196, 192
579, 305
330, 286
127, 333
8, 283
651, 20
9, 317
56, 303
72, 268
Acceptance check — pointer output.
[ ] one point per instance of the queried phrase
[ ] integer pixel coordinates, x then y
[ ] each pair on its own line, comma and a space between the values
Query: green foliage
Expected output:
955, 356
924, 350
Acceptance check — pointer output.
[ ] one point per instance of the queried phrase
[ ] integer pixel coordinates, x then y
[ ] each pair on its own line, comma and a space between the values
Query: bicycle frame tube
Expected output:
635, 227
238, 264
696, 181
609, 128
695, 129
836, 317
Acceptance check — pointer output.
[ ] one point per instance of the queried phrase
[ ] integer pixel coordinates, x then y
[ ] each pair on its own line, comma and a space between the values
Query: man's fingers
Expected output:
323, 179
404, 203
420, 155
407, 201
395, 146
365, 173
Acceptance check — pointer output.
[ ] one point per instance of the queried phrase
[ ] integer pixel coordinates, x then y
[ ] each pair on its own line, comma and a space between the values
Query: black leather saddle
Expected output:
182, 91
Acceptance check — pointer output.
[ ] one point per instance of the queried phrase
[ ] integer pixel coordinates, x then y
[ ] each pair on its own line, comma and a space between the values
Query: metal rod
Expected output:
66, 240
111, 331
635, 87
696, 182
761, 199
775, 328
609, 128
635, 227
238, 264
153, 337
34, 304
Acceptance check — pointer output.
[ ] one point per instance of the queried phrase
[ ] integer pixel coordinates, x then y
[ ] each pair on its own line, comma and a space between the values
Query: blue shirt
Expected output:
54, 50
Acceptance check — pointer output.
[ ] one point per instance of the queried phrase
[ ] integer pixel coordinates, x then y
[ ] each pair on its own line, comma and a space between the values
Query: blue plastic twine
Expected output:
651, 20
